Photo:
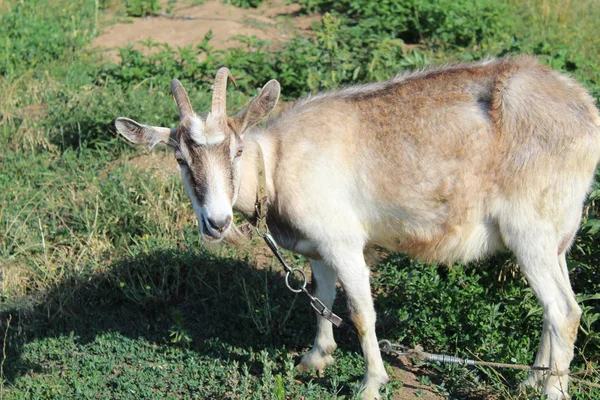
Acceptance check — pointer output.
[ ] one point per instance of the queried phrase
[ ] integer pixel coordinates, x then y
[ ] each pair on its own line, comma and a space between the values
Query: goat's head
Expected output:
208, 150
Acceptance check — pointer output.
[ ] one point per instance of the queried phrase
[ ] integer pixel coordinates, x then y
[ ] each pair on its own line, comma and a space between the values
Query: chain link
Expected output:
385, 346
260, 225
293, 272
315, 303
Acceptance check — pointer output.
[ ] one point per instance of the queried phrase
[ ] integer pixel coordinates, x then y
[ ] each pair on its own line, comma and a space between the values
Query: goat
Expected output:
447, 164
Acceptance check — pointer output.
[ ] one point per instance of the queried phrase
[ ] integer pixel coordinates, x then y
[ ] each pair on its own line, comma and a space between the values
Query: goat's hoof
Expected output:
556, 388
557, 395
315, 360
534, 381
369, 389
369, 393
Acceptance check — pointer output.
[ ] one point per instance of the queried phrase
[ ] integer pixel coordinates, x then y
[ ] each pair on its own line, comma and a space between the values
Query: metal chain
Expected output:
385, 346
315, 302
262, 229
398, 350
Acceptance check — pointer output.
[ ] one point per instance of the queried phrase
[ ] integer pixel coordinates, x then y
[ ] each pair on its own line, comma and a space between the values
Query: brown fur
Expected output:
424, 115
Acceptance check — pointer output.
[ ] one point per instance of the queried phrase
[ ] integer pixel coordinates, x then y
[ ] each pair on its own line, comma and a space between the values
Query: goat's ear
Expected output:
258, 108
143, 134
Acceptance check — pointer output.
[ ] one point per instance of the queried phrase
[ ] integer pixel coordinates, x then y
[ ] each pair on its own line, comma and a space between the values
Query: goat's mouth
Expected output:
208, 237
209, 234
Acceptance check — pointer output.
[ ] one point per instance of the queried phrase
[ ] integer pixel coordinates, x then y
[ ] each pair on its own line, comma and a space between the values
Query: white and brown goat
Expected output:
449, 164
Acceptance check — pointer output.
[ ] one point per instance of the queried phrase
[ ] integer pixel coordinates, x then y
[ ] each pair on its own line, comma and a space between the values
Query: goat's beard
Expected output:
235, 236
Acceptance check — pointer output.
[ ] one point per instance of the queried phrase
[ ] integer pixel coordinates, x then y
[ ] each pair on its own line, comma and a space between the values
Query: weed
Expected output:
438, 23
177, 332
142, 8
245, 3
4, 341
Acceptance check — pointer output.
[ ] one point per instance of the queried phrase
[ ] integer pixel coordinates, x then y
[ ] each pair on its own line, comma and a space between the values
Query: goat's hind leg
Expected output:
535, 246
536, 378
320, 355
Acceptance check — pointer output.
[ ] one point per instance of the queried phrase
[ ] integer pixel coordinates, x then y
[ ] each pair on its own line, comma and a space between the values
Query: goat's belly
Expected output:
453, 244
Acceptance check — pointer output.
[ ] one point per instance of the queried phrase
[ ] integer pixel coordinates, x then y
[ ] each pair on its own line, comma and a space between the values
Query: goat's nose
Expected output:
219, 224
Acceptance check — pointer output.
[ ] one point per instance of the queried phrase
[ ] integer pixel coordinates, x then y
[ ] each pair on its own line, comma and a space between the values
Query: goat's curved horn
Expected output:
219, 99
182, 99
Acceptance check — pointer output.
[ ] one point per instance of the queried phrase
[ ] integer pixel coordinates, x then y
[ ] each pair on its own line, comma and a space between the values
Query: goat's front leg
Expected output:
324, 289
354, 275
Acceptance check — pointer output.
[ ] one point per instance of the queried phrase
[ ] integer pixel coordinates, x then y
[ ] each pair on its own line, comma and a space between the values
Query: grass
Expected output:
106, 289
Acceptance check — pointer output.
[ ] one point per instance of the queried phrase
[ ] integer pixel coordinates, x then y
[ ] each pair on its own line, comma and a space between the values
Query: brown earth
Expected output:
187, 25
272, 21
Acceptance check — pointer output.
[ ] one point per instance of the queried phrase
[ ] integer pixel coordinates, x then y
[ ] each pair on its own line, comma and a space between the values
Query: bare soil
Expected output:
188, 25
273, 21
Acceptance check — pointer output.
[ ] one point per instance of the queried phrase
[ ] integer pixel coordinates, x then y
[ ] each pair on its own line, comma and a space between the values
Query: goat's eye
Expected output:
180, 159
239, 152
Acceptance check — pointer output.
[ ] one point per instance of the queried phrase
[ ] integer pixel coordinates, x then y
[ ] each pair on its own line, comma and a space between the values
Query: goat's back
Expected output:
425, 162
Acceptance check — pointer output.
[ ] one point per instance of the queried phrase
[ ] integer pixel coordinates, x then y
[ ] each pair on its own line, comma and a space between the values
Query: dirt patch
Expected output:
403, 370
188, 25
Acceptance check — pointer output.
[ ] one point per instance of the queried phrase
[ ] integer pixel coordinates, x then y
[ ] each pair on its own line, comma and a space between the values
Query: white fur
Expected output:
217, 136
217, 201
199, 132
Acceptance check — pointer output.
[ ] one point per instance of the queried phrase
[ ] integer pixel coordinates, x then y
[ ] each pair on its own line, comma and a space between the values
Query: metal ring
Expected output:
385, 345
259, 233
287, 282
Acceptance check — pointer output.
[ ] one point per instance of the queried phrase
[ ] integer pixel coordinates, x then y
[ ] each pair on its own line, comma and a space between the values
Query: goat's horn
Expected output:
182, 99
219, 99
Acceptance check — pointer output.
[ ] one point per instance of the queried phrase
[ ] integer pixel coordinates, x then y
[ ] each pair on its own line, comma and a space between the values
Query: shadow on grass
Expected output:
212, 303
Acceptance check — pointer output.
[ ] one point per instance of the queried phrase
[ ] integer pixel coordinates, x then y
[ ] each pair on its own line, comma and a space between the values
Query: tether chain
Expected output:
260, 225
385, 346
391, 348
317, 304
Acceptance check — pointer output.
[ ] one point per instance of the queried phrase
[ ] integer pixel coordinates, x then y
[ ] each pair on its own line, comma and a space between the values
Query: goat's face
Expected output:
208, 151
209, 158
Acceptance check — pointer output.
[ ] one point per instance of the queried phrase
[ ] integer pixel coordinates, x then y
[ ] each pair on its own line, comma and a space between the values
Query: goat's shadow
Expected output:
218, 302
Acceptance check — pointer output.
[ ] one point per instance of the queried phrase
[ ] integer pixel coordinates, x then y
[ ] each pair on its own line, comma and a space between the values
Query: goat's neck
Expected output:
246, 198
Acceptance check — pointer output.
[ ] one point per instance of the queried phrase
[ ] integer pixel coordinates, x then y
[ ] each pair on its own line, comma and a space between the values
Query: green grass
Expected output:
106, 289
118, 337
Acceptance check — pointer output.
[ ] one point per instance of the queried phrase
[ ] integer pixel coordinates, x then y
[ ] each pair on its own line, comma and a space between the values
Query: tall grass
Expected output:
565, 33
